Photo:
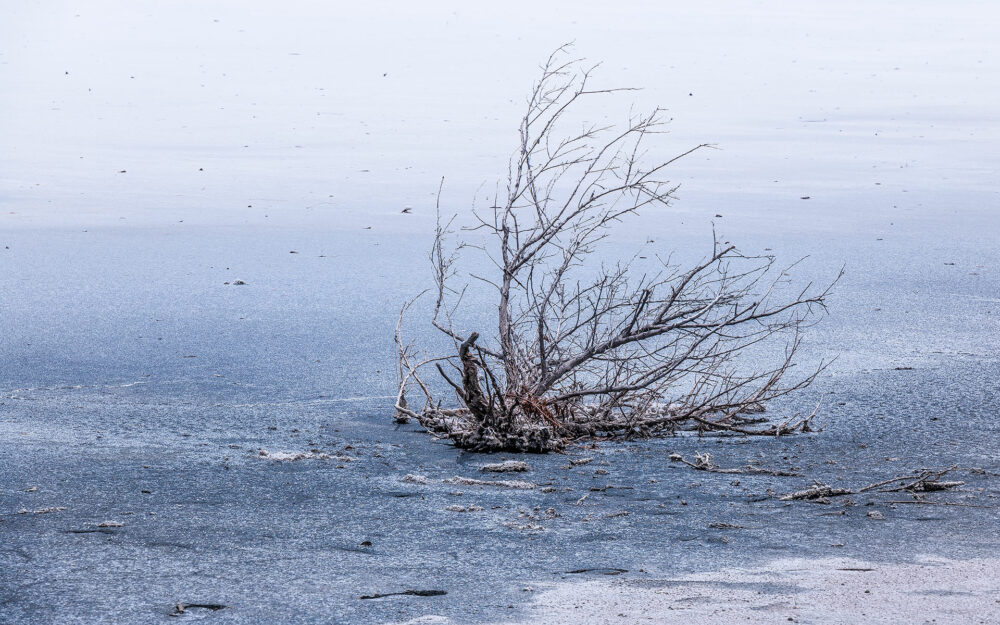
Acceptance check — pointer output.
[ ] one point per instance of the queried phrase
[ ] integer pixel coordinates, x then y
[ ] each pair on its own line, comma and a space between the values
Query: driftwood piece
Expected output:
819, 491
181, 608
507, 466
926, 480
937, 503
413, 593
514, 484
703, 462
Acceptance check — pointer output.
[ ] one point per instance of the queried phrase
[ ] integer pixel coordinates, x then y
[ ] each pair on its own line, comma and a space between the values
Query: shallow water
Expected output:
156, 151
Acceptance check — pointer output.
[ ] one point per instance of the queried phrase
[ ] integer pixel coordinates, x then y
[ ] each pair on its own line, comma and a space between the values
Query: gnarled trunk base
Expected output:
526, 435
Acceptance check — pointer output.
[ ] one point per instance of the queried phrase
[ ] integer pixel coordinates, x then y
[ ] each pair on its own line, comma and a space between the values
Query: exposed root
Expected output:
523, 434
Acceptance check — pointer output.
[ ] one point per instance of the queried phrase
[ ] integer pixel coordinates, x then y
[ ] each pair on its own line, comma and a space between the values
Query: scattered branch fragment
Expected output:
181, 608
469, 508
514, 484
507, 466
410, 478
818, 492
923, 481
703, 462
110, 524
585, 347
412, 593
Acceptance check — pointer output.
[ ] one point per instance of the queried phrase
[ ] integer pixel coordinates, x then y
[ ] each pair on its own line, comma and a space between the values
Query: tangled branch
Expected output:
587, 351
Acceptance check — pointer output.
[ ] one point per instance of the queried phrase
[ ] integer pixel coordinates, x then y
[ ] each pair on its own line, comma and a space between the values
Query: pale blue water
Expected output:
248, 132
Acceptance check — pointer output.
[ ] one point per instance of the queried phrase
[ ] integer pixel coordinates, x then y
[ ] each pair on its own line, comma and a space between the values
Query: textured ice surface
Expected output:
154, 152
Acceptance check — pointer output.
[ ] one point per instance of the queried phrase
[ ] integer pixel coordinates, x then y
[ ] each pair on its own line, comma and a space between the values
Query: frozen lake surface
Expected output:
154, 152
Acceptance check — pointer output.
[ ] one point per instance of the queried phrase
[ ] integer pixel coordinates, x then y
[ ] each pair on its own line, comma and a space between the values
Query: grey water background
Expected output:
153, 152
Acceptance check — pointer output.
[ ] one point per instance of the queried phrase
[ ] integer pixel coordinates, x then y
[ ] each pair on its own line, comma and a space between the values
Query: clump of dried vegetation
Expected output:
585, 349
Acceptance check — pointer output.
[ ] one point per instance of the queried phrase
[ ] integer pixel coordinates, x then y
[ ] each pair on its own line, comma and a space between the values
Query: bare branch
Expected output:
635, 348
